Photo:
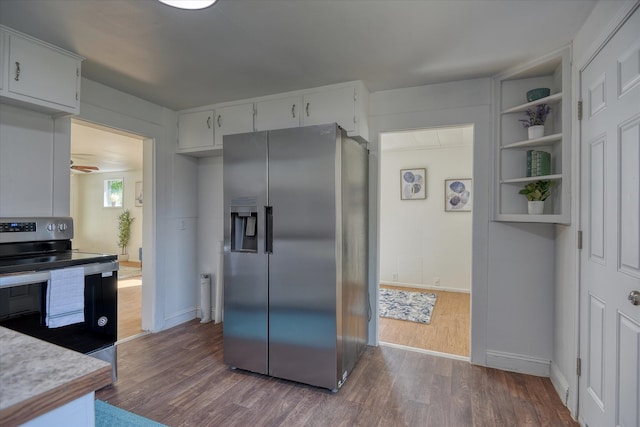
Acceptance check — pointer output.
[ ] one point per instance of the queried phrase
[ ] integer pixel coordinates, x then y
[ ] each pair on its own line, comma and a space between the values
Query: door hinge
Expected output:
579, 239
76, 96
77, 72
579, 110
578, 366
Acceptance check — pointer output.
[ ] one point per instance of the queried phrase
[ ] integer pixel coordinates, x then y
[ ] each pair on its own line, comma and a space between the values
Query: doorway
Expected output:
426, 200
106, 184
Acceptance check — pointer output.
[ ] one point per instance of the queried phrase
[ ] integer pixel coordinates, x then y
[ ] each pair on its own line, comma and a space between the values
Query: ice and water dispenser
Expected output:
244, 229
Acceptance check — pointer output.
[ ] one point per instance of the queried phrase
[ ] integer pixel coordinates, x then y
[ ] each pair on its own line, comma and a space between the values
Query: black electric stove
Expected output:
30, 249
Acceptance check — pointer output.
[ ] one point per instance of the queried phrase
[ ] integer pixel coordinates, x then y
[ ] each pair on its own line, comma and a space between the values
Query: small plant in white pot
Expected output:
124, 233
536, 193
535, 120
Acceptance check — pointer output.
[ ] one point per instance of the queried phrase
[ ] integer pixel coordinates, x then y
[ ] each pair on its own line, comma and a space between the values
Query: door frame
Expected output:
594, 49
151, 306
479, 117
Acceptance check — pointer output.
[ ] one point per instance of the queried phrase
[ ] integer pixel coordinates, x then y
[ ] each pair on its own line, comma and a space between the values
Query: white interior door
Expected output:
610, 219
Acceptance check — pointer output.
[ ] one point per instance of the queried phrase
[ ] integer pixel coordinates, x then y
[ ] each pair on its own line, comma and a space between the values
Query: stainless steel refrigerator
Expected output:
295, 254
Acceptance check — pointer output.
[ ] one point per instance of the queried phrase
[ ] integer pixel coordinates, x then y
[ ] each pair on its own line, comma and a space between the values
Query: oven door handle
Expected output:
28, 277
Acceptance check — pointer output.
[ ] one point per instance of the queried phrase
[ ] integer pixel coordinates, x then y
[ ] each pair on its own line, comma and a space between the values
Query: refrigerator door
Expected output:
245, 260
302, 268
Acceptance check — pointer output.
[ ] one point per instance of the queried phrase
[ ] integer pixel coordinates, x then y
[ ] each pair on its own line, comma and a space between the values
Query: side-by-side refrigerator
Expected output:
295, 254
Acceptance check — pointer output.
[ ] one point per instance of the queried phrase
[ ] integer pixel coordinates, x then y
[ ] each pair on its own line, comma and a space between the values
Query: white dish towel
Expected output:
65, 297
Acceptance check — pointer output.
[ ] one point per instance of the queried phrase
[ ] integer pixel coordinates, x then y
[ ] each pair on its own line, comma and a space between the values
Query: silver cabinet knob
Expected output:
634, 297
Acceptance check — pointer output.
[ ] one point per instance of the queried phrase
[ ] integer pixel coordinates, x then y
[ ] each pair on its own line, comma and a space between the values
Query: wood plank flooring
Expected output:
129, 307
448, 331
177, 377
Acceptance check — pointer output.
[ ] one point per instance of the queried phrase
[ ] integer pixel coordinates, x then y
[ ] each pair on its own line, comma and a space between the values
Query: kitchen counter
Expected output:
37, 377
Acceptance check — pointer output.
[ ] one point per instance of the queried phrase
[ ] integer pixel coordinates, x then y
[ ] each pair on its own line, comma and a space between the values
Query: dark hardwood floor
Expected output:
177, 377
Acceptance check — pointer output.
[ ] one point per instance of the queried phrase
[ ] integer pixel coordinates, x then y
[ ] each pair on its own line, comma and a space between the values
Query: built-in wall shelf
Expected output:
527, 179
537, 142
550, 100
552, 71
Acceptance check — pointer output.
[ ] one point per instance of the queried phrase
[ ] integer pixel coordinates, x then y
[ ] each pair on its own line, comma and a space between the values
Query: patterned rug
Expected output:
405, 305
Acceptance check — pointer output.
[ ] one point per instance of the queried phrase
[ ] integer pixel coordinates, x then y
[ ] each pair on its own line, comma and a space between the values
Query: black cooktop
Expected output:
50, 261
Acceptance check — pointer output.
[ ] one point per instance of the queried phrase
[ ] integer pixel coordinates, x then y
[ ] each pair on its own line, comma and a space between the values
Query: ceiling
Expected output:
246, 48
428, 139
110, 151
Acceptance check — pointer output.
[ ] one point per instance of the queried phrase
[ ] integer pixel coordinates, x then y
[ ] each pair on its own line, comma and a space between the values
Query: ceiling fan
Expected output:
86, 169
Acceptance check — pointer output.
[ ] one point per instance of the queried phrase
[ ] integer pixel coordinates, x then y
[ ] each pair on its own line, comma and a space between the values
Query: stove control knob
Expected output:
51, 227
62, 227
102, 321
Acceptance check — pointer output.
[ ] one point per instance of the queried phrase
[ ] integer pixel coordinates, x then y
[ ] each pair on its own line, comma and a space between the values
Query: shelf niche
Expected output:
510, 104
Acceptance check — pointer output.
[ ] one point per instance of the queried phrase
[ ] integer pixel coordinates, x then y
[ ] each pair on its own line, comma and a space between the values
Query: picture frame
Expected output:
138, 194
413, 184
458, 195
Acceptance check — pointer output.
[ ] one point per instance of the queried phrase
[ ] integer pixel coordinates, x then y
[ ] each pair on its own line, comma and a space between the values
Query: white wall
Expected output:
419, 241
210, 220
96, 226
447, 104
169, 217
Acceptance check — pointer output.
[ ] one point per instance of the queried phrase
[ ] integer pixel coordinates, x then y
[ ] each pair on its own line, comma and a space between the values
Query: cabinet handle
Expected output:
17, 78
209, 122
307, 109
293, 111
219, 125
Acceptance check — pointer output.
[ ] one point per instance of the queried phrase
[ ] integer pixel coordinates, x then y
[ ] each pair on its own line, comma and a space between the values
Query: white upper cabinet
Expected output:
279, 113
233, 119
514, 147
39, 76
345, 103
195, 130
328, 106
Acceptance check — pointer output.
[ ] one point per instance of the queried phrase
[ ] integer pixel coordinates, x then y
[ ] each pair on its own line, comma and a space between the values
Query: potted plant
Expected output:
536, 193
535, 120
124, 233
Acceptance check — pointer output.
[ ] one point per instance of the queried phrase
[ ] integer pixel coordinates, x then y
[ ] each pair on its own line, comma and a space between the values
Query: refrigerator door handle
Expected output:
268, 229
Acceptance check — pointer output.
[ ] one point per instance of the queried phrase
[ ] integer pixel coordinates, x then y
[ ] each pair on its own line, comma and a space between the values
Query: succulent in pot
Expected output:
537, 190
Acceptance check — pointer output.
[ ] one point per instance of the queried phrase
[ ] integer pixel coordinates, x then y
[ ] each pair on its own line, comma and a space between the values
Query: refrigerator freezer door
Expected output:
245, 267
302, 268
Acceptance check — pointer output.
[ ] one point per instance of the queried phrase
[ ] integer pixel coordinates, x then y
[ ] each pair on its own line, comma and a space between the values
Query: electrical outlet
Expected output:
395, 277
436, 281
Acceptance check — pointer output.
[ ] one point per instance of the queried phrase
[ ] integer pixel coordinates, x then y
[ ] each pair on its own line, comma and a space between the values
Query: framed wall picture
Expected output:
138, 193
458, 195
413, 184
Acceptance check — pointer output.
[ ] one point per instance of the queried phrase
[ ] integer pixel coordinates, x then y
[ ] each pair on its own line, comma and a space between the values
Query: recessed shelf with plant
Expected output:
551, 150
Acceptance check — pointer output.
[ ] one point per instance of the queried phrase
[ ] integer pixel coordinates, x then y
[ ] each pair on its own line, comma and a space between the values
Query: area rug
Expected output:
405, 305
125, 272
112, 416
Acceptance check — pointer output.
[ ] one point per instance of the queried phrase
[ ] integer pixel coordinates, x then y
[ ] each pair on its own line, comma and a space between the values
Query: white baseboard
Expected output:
179, 318
426, 287
560, 383
518, 363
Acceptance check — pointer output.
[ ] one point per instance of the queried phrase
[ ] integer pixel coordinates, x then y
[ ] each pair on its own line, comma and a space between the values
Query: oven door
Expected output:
23, 308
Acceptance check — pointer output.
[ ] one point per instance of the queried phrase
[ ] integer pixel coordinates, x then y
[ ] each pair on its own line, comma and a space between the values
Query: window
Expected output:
113, 193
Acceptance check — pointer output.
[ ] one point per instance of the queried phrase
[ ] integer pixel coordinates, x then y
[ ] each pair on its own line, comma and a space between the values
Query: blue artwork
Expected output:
413, 184
457, 195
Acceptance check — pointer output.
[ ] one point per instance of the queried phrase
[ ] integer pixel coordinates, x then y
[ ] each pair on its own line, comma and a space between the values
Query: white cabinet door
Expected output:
280, 113
331, 106
233, 119
195, 130
39, 72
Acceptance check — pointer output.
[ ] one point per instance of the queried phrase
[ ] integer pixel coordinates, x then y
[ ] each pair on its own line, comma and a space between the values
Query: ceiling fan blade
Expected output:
86, 169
